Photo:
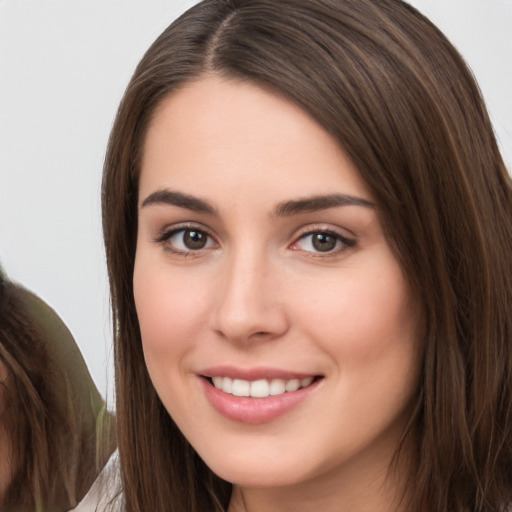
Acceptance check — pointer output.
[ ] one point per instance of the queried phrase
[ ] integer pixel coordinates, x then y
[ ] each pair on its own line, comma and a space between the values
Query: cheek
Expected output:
164, 324
366, 318
370, 327
170, 309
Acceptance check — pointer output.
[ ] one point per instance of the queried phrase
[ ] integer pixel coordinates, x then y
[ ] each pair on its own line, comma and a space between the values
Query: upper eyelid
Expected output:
308, 229
347, 241
165, 233
324, 228
179, 226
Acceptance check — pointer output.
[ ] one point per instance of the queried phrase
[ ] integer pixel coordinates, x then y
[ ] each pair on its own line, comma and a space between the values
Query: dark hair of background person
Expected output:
399, 99
56, 422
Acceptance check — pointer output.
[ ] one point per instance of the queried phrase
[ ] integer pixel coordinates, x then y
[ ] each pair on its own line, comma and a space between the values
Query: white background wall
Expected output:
63, 67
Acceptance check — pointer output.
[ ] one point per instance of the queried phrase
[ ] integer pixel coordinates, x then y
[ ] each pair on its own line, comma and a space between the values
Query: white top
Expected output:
103, 496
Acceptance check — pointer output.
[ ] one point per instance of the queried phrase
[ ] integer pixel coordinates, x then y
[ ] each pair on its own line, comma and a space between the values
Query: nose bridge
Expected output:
247, 303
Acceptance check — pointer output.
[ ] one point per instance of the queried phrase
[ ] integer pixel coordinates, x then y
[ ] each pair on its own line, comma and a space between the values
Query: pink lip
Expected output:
254, 411
253, 373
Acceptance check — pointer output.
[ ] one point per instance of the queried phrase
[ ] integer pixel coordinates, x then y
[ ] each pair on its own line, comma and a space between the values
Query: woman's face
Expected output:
262, 269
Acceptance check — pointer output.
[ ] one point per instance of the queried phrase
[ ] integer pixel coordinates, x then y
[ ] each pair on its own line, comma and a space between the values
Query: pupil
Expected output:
194, 239
324, 242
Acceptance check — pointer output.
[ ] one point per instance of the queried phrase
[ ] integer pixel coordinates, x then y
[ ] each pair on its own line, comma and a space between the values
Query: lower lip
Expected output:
254, 411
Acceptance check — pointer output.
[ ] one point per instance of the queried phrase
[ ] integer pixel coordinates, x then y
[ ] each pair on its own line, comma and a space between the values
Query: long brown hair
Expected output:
59, 431
384, 81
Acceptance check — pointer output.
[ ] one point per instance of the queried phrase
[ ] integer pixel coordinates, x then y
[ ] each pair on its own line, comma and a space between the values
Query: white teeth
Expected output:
241, 387
304, 383
277, 387
227, 385
293, 385
259, 388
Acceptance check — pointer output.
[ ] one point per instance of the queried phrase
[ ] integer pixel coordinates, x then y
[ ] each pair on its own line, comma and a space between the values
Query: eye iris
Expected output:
194, 239
324, 242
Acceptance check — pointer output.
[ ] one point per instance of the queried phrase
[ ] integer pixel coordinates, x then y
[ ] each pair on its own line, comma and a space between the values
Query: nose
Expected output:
248, 303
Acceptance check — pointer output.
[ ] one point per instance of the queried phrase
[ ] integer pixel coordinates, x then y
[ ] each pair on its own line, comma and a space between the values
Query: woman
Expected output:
55, 433
308, 228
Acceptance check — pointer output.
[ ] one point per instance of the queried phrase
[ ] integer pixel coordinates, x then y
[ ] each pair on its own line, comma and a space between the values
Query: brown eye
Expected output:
194, 240
324, 242
186, 240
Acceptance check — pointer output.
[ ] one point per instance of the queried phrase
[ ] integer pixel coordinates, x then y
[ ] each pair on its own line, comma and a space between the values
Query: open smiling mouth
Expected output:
261, 388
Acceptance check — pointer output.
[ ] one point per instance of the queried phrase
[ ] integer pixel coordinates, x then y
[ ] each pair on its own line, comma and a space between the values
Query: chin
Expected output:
268, 477
258, 472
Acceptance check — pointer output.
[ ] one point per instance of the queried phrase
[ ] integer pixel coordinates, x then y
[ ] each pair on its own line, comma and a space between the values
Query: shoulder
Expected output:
104, 495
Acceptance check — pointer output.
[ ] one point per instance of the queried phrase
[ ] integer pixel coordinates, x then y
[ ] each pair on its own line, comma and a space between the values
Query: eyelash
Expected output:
342, 243
167, 235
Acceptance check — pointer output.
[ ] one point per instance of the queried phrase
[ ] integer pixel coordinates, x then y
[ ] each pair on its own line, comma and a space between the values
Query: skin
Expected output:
260, 294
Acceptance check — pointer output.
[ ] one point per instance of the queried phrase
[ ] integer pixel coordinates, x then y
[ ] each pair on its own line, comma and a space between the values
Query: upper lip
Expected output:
257, 373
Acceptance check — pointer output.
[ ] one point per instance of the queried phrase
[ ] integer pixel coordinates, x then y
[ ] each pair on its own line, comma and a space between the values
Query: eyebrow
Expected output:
284, 209
163, 197
317, 203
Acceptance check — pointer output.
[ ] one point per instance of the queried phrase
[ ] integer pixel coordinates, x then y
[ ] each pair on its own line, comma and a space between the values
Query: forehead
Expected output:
218, 129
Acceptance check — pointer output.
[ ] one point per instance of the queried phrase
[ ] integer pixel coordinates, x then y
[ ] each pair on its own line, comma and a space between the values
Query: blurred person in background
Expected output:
56, 434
